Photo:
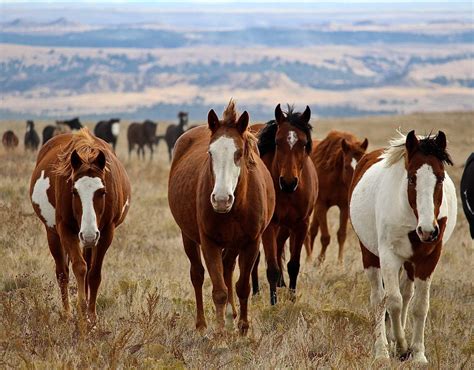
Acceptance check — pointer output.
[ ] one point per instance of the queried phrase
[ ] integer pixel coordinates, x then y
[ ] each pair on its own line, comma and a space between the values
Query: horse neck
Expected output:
400, 192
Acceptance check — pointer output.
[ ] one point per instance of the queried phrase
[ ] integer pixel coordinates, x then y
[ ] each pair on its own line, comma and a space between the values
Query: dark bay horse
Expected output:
108, 131
221, 196
467, 192
81, 193
403, 208
173, 132
61, 127
141, 135
32, 139
285, 147
335, 158
9, 140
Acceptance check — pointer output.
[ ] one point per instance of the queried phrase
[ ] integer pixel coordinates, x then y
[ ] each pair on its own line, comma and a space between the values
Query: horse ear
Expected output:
345, 146
212, 120
278, 114
243, 122
364, 144
411, 143
306, 114
76, 161
441, 140
100, 161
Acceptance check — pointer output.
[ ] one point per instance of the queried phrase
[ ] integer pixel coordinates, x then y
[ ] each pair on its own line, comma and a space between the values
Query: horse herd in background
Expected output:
233, 186
139, 135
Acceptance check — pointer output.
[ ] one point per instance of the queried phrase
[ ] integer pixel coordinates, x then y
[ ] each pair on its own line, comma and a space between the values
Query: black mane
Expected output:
429, 146
266, 138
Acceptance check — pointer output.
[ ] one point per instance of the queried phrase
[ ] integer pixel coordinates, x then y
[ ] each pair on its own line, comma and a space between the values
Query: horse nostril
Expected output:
97, 235
81, 236
213, 198
230, 199
419, 230
435, 233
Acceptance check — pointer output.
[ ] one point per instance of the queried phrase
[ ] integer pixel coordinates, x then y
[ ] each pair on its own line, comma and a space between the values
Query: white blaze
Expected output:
292, 138
115, 128
353, 163
86, 187
425, 185
226, 172
40, 197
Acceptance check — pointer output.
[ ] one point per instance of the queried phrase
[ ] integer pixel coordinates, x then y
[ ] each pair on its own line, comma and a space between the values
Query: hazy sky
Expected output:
229, 1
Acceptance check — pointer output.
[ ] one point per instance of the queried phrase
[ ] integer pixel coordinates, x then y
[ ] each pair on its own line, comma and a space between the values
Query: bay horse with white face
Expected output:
335, 158
285, 146
81, 193
221, 196
403, 208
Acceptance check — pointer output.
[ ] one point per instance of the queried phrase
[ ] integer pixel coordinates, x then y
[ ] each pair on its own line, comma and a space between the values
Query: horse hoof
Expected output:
420, 358
405, 356
292, 293
273, 298
243, 327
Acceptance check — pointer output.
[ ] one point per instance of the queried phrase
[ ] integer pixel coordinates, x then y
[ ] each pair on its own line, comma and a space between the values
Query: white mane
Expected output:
395, 152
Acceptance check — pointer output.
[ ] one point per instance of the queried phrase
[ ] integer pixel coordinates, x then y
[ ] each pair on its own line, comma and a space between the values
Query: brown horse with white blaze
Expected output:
336, 157
285, 145
221, 196
81, 193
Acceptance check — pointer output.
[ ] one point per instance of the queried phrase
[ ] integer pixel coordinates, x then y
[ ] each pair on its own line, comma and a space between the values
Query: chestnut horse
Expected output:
9, 140
336, 157
81, 193
221, 196
285, 145
403, 208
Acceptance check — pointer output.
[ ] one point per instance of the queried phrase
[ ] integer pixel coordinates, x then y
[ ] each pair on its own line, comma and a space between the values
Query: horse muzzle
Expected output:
222, 203
288, 186
89, 239
428, 236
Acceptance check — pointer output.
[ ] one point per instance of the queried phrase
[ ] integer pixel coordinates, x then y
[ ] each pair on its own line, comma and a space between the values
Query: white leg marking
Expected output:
425, 184
378, 309
226, 173
86, 187
292, 138
353, 163
40, 197
406, 287
115, 128
421, 305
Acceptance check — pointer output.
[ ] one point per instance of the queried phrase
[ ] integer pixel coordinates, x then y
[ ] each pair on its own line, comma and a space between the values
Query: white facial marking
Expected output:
86, 187
467, 203
353, 163
226, 172
425, 185
292, 138
115, 128
124, 207
40, 197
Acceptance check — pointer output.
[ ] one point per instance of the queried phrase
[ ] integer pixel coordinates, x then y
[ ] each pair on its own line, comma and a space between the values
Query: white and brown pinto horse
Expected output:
81, 193
221, 196
403, 209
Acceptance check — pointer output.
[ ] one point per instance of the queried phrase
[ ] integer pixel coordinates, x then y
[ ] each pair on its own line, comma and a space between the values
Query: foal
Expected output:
403, 208
221, 196
335, 158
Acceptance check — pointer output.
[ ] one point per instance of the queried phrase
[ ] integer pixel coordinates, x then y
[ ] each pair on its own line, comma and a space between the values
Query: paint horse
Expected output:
221, 196
403, 209
108, 131
467, 192
336, 157
285, 146
81, 193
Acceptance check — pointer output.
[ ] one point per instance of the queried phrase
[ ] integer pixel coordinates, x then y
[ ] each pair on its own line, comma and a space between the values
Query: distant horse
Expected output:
335, 158
9, 140
81, 193
285, 145
221, 196
32, 139
467, 192
108, 131
403, 209
141, 134
173, 132
61, 128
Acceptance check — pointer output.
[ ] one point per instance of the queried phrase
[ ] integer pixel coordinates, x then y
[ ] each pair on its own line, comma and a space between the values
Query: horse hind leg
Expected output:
321, 213
197, 278
255, 286
313, 232
342, 233
62, 268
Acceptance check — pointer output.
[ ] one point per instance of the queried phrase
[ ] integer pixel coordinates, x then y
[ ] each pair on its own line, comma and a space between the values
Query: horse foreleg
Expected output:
342, 232
313, 232
321, 214
273, 271
228, 260
213, 257
282, 237
298, 236
197, 278
421, 304
255, 287
247, 258
406, 286
62, 268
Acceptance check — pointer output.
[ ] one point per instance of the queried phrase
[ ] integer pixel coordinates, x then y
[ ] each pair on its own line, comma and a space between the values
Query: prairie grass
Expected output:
146, 301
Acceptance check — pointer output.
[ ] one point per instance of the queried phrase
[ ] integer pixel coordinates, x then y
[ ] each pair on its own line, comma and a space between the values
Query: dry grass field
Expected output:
146, 301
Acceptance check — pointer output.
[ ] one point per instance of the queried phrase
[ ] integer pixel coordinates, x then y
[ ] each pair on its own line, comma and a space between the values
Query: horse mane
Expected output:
85, 145
427, 145
266, 139
329, 150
